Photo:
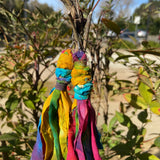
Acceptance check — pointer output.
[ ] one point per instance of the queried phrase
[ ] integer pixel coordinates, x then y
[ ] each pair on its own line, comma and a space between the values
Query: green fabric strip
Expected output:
53, 122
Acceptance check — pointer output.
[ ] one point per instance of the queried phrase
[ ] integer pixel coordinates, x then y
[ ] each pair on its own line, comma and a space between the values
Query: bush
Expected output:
123, 44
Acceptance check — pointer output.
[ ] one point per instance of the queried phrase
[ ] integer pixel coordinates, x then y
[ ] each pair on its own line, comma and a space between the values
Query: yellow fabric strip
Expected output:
63, 114
74, 104
46, 130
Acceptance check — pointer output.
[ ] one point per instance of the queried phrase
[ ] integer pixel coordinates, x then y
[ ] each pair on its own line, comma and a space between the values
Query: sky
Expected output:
57, 4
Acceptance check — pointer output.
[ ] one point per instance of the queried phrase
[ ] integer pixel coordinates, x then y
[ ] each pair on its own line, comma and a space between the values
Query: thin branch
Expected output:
70, 6
95, 6
77, 7
86, 32
74, 30
87, 26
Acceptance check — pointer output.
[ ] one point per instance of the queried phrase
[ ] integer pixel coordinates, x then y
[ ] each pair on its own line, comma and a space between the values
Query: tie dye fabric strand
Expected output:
83, 137
53, 126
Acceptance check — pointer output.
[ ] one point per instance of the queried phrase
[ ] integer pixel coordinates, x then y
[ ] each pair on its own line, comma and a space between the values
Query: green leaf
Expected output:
157, 142
137, 150
123, 57
123, 119
112, 123
145, 88
146, 80
132, 131
12, 102
142, 116
148, 156
155, 107
5, 149
8, 137
143, 72
144, 131
147, 5
122, 149
133, 39
29, 103
135, 101
158, 96
120, 117
157, 85
111, 25
105, 128
153, 157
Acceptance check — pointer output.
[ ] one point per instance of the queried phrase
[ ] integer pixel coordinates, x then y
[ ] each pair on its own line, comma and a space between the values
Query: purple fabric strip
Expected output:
61, 86
79, 56
85, 111
83, 121
37, 153
93, 132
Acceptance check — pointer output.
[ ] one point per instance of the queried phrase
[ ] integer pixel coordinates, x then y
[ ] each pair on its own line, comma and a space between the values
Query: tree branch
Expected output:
86, 31
74, 31
87, 26
95, 5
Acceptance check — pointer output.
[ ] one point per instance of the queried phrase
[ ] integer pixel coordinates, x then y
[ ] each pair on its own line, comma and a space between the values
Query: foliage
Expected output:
127, 140
17, 5
29, 53
154, 44
143, 97
26, 57
149, 14
123, 44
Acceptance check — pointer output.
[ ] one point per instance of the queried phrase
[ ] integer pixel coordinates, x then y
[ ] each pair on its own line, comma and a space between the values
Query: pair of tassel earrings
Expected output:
66, 130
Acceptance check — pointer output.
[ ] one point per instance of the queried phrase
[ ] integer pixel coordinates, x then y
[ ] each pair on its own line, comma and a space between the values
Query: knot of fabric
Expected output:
79, 56
82, 92
63, 75
80, 75
61, 86
65, 60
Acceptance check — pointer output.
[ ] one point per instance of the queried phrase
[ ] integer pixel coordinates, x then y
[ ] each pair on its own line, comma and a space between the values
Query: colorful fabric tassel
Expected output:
83, 137
68, 130
52, 134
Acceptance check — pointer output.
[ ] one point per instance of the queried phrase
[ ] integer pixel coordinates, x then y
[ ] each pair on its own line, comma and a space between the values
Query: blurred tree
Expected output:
122, 8
18, 5
149, 14
34, 5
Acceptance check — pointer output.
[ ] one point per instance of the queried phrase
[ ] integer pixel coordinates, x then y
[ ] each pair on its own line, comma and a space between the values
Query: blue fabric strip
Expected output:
63, 72
38, 148
82, 92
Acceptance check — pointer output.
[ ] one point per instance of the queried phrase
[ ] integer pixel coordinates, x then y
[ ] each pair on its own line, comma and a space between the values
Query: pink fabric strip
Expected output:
83, 121
85, 111
71, 136
93, 132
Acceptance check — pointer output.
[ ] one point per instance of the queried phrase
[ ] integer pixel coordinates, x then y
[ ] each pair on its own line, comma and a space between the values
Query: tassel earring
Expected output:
52, 134
83, 137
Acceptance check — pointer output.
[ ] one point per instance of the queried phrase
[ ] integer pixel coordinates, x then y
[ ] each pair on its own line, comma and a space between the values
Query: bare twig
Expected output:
86, 32
95, 5
77, 7
87, 26
70, 6
74, 31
